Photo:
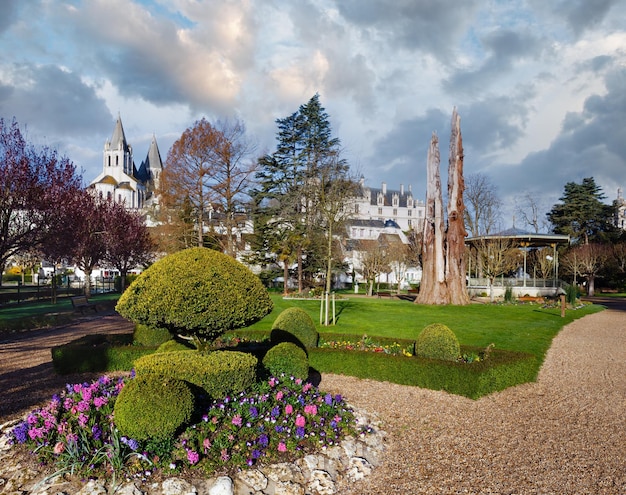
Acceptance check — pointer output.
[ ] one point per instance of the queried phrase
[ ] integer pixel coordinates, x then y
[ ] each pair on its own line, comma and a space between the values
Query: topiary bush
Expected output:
153, 407
196, 292
296, 326
437, 341
218, 373
287, 358
150, 337
174, 345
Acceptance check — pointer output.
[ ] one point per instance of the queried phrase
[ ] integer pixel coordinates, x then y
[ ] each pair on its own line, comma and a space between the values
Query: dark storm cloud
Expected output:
57, 101
8, 13
591, 144
432, 26
505, 49
584, 14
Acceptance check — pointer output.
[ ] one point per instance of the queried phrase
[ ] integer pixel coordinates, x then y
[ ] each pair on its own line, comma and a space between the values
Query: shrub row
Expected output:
503, 369
95, 353
218, 373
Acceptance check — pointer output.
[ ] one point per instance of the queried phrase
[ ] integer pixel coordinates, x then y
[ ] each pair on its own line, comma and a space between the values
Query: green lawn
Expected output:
526, 328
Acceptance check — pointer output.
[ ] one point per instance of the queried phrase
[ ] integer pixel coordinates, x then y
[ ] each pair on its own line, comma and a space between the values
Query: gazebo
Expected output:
524, 241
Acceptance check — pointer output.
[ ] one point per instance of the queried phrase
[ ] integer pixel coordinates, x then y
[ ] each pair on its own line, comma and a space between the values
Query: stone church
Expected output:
120, 180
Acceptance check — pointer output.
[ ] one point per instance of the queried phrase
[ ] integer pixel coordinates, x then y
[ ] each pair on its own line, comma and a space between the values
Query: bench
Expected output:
80, 303
383, 294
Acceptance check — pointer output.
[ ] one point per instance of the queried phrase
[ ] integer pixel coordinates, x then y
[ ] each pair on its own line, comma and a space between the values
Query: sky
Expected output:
540, 86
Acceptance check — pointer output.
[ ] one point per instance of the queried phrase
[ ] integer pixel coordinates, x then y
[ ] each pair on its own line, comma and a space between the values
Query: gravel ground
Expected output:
565, 434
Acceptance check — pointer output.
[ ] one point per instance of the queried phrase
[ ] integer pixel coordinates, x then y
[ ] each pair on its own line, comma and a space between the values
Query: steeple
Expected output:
118, 154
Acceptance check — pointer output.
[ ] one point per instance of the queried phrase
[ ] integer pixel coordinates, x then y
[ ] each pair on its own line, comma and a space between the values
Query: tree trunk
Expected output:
456, 233
433, 284
591, 286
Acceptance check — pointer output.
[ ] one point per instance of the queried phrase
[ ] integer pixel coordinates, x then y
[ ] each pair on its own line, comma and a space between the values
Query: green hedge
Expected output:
218, 373
196, 292
95, 353
296, 326
437, 341
174, 345
501, 370
148, 337
287, 358
153, 408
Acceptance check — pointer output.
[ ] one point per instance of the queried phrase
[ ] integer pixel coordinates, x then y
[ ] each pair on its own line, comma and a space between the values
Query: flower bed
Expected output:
280, 420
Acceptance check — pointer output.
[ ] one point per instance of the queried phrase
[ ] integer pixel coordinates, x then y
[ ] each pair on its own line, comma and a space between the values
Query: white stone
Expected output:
358, 469
288, 488
321, 483
253, 478
222, 486
283, 471
177, 486
93, 487
129, 489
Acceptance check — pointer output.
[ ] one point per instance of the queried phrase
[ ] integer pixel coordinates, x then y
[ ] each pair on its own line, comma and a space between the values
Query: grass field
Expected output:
524, 327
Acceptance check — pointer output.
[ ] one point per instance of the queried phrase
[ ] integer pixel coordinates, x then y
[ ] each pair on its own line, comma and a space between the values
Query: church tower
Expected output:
118, 154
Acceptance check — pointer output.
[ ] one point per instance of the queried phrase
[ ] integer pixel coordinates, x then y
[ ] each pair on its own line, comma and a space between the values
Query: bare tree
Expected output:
587, 260
529, 211
443, 249
483, 205
496, 256
373, 262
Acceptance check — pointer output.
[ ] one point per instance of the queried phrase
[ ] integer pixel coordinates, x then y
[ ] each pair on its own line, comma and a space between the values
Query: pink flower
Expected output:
193, 457
224, 455
300, 421
237, 420
100, 401
206, 443
279, 395
59, 448
298, 381
288, 409
310, 409
307, 387
273, 382
282, 447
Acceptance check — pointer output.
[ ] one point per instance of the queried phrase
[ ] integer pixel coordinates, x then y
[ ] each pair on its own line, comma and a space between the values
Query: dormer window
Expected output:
381, 199
395, 200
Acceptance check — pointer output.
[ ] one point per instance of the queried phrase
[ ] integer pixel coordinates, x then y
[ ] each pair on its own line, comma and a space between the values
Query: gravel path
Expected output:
565, 434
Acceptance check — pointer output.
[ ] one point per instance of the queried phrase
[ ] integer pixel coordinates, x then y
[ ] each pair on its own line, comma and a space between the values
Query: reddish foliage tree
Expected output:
35, 185
127, 239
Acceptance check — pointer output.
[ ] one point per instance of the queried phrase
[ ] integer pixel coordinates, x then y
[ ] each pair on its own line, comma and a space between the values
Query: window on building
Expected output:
117, 160
380, 211
381, 199
409, 213
395, 212
356, 209
395, 200
410, 223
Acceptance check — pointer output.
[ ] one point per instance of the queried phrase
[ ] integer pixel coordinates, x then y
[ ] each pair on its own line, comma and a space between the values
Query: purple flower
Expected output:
253, 412
275, 412
338, 398
133, 444
256, 454
300, 432
278, 428
328, 399
20, 432
263, 440
96, 432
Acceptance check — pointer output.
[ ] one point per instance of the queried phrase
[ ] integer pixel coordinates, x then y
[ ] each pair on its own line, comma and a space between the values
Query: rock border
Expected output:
315, 474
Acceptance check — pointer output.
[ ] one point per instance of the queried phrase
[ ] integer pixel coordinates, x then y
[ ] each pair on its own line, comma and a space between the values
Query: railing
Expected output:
516, 282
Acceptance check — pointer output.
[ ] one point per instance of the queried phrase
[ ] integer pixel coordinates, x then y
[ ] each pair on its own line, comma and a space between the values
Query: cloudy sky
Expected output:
540, 85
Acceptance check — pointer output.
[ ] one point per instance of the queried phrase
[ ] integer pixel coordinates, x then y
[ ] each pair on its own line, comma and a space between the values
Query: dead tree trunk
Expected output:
433, 285
443, 249
456, 233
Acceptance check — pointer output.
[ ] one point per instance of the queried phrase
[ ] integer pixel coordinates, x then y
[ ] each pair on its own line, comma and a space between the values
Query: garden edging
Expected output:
314, 474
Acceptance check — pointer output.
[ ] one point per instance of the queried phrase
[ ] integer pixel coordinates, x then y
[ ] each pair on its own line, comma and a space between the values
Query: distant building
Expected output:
398, 205
120, 180
620, 211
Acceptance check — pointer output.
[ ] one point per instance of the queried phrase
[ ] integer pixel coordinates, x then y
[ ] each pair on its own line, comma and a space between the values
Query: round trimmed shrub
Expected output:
296, 326
218, 373
287, 358
174, 345
153, 407
196, 292
437, 341
150, 337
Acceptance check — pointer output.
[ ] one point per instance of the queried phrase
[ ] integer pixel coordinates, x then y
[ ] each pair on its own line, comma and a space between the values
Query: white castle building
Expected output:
120, 180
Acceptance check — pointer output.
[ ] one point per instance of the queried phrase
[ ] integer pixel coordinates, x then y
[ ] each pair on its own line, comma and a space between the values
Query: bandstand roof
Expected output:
523, 239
